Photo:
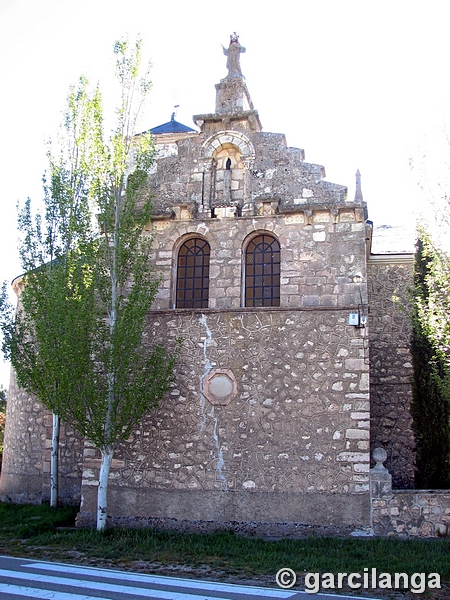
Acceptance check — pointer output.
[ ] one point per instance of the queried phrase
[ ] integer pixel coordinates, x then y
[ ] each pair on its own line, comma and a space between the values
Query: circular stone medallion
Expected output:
220, 387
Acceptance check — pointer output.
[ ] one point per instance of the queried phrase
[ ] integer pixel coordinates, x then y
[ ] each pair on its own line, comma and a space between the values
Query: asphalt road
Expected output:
23, 578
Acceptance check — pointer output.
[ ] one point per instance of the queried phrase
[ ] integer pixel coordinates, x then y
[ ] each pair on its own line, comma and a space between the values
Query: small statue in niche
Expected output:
227, 181
234, 56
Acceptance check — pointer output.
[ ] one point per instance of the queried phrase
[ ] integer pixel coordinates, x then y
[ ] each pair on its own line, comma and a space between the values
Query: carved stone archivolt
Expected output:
236, 138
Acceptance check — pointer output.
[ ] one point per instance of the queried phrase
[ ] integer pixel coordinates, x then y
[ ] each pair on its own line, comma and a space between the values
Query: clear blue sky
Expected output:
356, 84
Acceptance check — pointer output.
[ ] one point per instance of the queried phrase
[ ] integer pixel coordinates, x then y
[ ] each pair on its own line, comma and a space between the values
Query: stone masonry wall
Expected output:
268, 170
25, 475
319, 255
25, 435
391, 366
421, 513
406, 513
293, 445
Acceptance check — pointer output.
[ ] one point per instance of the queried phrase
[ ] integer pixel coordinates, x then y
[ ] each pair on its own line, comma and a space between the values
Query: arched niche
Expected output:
227, 159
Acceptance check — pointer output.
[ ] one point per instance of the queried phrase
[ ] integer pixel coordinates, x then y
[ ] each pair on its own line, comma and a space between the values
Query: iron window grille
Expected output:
262, 272
193, 274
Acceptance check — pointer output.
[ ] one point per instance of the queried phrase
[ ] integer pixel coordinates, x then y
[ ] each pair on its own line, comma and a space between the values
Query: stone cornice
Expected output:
256, 309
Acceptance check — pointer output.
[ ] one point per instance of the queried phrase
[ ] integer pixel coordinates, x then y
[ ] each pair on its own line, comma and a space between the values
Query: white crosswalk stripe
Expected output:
55, 581
106, 587
28, 592
160, 580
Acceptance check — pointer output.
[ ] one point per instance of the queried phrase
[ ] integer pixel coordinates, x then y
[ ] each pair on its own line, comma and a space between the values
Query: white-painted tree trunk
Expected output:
107, 450
102, 495
54, 463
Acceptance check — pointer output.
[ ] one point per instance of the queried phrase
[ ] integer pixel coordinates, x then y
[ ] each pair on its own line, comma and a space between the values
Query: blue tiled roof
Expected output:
171, 127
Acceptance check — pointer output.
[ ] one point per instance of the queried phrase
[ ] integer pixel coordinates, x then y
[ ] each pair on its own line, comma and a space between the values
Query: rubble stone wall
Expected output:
25, 475
406, 513
419, 513
292, 445
391, 365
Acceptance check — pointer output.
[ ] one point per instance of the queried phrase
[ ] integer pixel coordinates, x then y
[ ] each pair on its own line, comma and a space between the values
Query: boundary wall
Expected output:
406, 513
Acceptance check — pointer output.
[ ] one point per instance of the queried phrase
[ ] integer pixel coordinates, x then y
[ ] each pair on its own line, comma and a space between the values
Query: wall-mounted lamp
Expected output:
358, 319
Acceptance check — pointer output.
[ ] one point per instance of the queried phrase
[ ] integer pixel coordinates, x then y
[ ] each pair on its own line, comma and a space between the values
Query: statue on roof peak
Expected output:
233, 53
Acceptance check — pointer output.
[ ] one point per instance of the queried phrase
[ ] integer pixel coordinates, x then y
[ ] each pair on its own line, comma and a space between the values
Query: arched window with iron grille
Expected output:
193, 274
262, 271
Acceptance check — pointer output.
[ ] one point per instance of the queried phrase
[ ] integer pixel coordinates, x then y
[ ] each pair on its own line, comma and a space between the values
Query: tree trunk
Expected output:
102, 496
54, 463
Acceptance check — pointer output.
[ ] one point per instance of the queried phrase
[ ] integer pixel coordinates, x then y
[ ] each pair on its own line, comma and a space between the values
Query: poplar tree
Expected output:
78, 339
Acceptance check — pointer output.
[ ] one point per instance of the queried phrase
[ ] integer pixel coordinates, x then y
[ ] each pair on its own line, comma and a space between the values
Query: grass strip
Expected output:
26, 529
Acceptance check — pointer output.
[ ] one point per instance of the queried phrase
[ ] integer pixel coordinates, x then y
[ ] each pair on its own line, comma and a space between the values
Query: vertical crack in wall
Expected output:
206, 370
220, 461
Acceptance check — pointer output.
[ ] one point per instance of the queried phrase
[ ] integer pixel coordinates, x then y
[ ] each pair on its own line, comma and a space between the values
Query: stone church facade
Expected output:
295, 356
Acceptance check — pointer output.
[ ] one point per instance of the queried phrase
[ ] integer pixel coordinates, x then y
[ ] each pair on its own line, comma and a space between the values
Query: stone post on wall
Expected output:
380, 478
380, 492
406, 513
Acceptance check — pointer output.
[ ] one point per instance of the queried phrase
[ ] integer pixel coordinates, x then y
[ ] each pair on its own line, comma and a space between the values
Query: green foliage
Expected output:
430, 350
433, 295
78, 340
3, 397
